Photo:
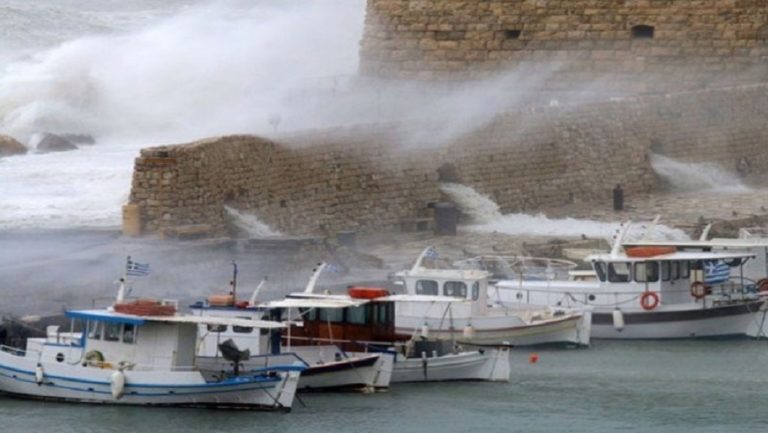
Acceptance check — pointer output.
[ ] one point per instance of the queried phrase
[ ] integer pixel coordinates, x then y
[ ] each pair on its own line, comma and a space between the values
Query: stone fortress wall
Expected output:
618, 46
369, 177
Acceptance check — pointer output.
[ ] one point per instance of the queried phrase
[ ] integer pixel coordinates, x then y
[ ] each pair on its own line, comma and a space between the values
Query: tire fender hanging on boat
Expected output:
649, 300
117, 384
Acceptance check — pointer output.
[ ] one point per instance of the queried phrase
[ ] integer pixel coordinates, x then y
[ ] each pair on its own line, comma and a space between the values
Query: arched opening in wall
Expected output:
512, 34
643, 31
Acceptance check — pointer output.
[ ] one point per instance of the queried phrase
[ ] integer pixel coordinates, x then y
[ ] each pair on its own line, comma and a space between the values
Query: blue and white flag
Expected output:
135, 269
333, 268
716, 272
431, 254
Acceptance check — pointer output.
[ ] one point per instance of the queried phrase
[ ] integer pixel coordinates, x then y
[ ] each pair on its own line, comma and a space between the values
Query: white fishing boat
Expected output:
140, 352
476, 319
656, 291
363, 321
138, 360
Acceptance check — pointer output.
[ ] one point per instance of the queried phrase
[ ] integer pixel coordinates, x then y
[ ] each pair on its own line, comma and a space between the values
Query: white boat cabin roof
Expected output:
676, 256
711, 243
446, 274
113, 317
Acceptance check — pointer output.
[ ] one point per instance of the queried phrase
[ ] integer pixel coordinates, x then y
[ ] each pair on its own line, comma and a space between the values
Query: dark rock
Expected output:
11, 146
79, 138
54, 143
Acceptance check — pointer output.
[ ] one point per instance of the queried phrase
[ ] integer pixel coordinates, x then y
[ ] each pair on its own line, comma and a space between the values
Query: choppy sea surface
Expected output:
673, 386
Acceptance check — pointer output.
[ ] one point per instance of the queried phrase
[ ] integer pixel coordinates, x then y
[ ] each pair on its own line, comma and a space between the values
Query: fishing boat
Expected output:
363, 321
112, 357
657, 291
480, 320
326, 367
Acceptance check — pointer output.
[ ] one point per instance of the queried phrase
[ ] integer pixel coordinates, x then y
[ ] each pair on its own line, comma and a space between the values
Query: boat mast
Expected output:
619, 238
417, 266
315, 276
256, 292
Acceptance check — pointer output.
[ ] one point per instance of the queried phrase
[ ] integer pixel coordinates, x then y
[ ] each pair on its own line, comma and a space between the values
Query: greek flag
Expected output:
333, 268
431, 254
716, 272
135, 269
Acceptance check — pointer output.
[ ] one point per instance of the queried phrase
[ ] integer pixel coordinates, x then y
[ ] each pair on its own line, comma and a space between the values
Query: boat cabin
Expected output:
346, 321
257, 340
469, 286
676, 276
115, 340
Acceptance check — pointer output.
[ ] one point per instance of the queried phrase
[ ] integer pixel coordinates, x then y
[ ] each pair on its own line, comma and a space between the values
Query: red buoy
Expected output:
534, 358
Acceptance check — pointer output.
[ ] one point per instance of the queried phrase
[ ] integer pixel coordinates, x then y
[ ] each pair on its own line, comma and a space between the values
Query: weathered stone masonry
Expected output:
368, 177
625, 46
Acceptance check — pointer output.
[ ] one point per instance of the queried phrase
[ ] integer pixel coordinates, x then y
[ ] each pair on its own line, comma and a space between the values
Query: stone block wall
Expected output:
369, 177
601, 44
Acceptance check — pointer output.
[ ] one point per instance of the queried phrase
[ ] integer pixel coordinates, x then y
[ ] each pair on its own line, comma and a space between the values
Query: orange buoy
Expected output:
762, 285
698, 290
367, 292
649, 300
534, 358
649, 251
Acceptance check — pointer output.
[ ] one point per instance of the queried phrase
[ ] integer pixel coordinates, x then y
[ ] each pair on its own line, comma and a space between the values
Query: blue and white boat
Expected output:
127, 359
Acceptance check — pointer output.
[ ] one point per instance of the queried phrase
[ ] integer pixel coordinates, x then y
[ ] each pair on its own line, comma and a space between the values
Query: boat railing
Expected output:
13, 350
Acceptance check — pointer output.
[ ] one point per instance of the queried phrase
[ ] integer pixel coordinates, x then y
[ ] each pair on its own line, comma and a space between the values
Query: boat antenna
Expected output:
705, 232
315, 276
256, 292
428, 250
619, 238
233, 283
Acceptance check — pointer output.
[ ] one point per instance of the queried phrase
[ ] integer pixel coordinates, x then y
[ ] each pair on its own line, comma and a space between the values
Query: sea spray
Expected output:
688, 176
485, 216
251, 224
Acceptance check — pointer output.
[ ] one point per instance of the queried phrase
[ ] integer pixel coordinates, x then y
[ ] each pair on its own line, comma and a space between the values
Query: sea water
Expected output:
673, 386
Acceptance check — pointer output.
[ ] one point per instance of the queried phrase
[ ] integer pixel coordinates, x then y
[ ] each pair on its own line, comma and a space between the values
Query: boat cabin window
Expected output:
94, 330
385, 313
674, 270
475, 290
129, 333
308, 313
666, 271
600, 270
618, 272
455, 288
242, 329
426, 287
357, 315
112, 331
334, 315
685, 269
216, 328
647, 272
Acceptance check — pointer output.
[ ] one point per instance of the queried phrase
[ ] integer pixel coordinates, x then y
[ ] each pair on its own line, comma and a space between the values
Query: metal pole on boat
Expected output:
121, 290
234, 282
